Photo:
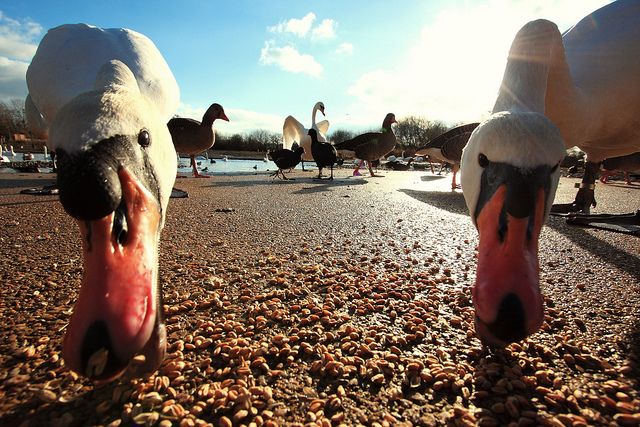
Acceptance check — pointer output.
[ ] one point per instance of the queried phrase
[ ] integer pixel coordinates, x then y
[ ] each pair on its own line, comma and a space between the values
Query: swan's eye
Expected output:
555, 168
144, 139
483, 161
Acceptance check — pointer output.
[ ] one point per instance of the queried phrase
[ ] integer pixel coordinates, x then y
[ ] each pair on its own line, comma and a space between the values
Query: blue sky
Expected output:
262, 61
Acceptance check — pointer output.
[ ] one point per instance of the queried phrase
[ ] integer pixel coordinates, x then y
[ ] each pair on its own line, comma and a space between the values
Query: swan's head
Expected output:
116, 168
510, 172
320, 106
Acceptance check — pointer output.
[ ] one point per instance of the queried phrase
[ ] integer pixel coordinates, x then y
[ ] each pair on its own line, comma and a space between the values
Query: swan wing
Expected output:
292, 131
322, 128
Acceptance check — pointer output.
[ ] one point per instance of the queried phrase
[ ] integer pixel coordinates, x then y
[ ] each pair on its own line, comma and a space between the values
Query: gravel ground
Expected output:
326, 303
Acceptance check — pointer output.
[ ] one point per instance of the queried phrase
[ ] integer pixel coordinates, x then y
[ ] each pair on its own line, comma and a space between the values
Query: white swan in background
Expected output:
106, 118
294, 131
581, 89
9, 152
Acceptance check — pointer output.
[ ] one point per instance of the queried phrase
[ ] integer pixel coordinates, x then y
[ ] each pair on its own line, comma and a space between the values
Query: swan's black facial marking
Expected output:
144, 139
88, 180
522, 186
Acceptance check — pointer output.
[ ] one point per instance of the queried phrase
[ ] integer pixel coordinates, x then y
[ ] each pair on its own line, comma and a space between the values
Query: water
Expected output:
205, 166
231, 166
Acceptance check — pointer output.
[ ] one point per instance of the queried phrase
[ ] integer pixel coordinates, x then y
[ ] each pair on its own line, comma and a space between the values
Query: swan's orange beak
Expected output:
118, 313
506, 294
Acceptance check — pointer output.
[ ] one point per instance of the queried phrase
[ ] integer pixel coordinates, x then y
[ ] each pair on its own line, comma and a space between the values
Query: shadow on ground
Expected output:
452, 201
26, 182
311, 185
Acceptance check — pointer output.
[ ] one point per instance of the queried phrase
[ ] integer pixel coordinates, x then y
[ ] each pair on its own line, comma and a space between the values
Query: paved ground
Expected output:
326, 303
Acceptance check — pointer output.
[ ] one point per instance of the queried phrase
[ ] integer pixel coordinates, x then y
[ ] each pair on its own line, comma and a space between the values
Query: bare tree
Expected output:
413, 131
340, 135
12, 118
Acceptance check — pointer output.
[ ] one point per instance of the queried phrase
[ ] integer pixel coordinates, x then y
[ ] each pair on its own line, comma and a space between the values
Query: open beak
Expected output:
506, 295
119, 312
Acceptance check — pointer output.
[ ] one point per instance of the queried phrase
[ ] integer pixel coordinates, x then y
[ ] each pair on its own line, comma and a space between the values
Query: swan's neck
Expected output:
313, 116
535, 50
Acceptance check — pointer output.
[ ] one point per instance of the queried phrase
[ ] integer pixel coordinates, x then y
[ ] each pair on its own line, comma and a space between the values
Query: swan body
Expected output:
104, 97
558, 91
294, 131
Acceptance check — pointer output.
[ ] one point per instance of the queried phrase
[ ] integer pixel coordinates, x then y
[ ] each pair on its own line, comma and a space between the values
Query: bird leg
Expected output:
196, 174
356, 171
586, 194
319, 173
455, 185
371, 170
284, 177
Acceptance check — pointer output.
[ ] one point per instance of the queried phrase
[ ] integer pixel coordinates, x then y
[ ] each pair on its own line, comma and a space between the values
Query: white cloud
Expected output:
17, 38
326, 30
240, 121
453, 71
299, 27
17, 47
289, 59
344, 49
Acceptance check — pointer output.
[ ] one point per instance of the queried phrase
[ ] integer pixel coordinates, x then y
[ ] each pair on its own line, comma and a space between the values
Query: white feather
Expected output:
559, 91
294, 131
87, 84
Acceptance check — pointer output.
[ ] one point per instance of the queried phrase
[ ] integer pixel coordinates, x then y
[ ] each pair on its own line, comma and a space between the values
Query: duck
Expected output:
624, 164
294, 131
447, 148
324, 154
192, 137
106, 120
558, 91
400, 166
372, 146
286, 159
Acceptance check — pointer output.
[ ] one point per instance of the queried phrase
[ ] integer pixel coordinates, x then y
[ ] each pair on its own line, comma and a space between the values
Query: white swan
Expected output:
105, 96
294, 131
581, 89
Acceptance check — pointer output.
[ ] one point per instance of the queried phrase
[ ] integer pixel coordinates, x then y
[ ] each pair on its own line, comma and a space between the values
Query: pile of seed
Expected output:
358, 326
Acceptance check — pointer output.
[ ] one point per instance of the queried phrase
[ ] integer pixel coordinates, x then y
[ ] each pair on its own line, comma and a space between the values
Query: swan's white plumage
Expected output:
294, 131
539, 143
88, 48
87, 83
584, 82
104, 97
558, 91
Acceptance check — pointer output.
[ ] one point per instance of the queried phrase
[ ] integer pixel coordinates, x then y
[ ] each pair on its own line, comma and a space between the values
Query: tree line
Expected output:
411, 132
